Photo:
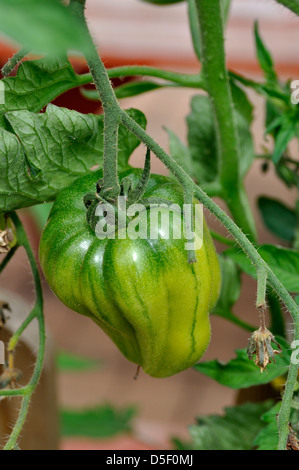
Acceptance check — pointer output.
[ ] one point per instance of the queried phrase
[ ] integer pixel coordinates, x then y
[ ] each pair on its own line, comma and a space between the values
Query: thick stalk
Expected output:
217, 82
261, 288
110, 106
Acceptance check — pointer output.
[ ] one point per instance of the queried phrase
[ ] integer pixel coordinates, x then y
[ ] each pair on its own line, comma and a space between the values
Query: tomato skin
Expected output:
143, 293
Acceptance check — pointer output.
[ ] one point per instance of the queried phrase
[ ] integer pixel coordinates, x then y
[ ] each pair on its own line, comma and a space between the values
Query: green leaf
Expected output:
71, 363
272, 91
100, 422
241, 101
203, 142
37, 83
267, 438
181, 153
264, 57
247, 153
274, 124
236, 430
278, 218
51, 150
241, 372
202, 139
136, 88
284, 262
286, 174
41, 212
230, 286
178, 444
285, 134
42, 27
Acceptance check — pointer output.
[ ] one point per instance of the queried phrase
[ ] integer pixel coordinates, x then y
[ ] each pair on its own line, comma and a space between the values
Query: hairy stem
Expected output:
14, 61
186, 80
180, 79
110, 106
217, 80
37, 313
13, 438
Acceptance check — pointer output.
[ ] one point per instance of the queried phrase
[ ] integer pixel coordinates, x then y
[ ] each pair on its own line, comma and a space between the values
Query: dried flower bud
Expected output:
260, 346
292, 442
6, 238
9, 377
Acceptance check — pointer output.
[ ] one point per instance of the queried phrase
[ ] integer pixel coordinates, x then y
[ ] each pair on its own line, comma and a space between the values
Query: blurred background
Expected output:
133, 32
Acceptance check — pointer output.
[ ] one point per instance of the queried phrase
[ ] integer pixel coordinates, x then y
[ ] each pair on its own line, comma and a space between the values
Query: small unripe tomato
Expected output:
142, 292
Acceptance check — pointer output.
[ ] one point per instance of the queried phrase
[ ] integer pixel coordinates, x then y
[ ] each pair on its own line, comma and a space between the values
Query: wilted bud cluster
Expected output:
9, 377
260, 346
6, 238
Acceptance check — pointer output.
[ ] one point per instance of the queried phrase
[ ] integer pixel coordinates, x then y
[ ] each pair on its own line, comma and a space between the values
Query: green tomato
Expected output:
143, 293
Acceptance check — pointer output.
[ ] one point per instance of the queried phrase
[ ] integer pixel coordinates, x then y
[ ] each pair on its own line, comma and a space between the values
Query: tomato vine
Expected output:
206, 25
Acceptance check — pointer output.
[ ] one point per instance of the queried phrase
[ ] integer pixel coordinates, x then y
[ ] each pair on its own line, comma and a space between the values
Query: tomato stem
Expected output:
186, 80
210, 20
261, 287
110, 106
137, 193
14, 61
37, 313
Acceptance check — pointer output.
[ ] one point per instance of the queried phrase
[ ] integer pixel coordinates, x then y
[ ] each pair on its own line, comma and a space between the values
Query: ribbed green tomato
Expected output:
143, 293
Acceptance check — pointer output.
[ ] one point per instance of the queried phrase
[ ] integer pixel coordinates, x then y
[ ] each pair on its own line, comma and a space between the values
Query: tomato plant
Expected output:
153, 295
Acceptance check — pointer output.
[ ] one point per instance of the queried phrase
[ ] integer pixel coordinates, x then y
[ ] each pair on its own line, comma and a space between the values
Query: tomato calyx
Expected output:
129, 193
